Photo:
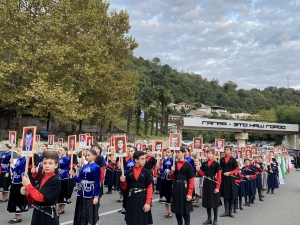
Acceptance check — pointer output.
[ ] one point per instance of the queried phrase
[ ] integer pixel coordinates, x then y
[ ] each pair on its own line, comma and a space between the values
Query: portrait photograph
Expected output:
248, 154
239, 154
158, 147
144, 148
50, 141
174, 141
89, 141
219, 145
28, 140
121, 146
150, 147
71, 144
82, 140
138, 146
197, 144
254, 150
12, 138
60, 142
38, 138
248, 148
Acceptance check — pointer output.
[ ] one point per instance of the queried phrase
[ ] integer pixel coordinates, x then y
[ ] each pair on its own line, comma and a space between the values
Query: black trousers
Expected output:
186, 217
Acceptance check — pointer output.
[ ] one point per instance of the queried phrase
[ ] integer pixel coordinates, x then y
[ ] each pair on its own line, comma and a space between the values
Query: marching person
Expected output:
260, 170
88, 194
272, 176
183, 185
109, 175
5, 178
197, 182
228, 187
166, 183
44, 197
138, 184
100, 161
249, 174
63, 173
211, 171
17, 203
240, 189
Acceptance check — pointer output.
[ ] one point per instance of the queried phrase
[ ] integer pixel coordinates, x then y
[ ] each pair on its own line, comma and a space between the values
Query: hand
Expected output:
188, 198
7, 174
271, 171
32, 170
154, 178
197, 168
216, 191
258, 166
71, 172
226, 174
25, 181
95, 201
12, 165
11, 161
172, 168
146, 208
247, 176
23, 191
122, 178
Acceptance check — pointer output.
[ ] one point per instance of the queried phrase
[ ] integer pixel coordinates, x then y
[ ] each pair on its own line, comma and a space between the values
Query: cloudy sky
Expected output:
254, 43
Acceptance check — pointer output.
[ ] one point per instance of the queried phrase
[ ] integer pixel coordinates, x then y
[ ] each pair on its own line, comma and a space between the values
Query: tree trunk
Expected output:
162, 117
73, 131
48, 121
100, 133
138, 121
80, 125
152, 125
19, 114
166, 122
156, 120
9, 120
129, 116
146, 123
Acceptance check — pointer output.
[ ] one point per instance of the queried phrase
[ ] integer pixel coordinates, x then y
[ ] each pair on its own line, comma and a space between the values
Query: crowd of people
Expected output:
180, 177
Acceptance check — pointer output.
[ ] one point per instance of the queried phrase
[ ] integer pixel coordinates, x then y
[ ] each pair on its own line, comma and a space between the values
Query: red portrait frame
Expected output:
26, 151
38, 138
89, 139
218, 149
119, 153
85, 140
60, 140
71, 150
49, 144
177, 146
194, 144
12, 141
157, 142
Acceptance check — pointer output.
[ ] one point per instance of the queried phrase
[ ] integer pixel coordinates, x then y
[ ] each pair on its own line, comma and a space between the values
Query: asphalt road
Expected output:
280, 208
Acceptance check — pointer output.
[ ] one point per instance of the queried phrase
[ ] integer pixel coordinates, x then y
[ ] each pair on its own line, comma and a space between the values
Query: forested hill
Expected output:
193, 88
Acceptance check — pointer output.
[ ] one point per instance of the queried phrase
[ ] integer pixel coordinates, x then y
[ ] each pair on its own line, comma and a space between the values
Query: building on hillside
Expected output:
196, 114
243, 116
180, 105
205, 108
219, 110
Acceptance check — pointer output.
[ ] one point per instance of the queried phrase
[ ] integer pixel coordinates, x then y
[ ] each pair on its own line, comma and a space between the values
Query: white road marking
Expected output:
103, 214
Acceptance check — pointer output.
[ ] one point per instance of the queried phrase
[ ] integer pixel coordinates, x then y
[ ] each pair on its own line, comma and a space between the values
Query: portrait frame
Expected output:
84, 144
51, 144
38, 138
27, 150
254, 150
196, 148
172, 144
161, 143
120, 152
89, 141
71, 149
219, 148
248, 154
60, 140
138, 146
12, 138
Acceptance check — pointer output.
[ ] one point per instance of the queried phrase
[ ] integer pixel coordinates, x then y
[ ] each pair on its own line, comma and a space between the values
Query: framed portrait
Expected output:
248, 154
121, 146
242, 149
89, 141
50, 141
60, 142
144, 148
38, 138
158, 147
12, 138
111, 142
174, 141
202, 154
254, 150
82, 140
150, 146
197, 144
28, 140
219, 145
71, 144
234, 153
239, 154
248, 148
138, 146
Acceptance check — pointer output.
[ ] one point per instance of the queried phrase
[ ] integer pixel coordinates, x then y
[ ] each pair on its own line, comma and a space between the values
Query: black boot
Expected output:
249, 202
246, 203
240, 203
259, 195
208, 221
226, 204
272, 191
235, 203
215, 216
268, 192
230, 208
252, 199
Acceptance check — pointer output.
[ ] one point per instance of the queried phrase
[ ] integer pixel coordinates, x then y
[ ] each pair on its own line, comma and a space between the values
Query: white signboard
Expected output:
239, 125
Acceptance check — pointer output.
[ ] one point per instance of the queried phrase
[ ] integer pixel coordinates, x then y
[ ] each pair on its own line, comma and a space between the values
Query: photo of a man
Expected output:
197, 144
89, 140
60, 142
174, 141
248, 154
28, 140
219, 145
50, 141
12, 137
72, 143
82, 140
138, 146
120, 142
158, 147
38, 138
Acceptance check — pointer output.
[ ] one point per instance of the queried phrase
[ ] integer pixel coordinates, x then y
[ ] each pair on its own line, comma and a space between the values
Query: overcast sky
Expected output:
255, 43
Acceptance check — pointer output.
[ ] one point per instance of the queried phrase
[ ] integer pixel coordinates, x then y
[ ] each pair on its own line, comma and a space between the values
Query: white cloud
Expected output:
254, 43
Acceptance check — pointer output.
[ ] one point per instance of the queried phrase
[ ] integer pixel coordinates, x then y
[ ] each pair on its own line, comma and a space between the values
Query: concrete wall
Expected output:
291, 141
